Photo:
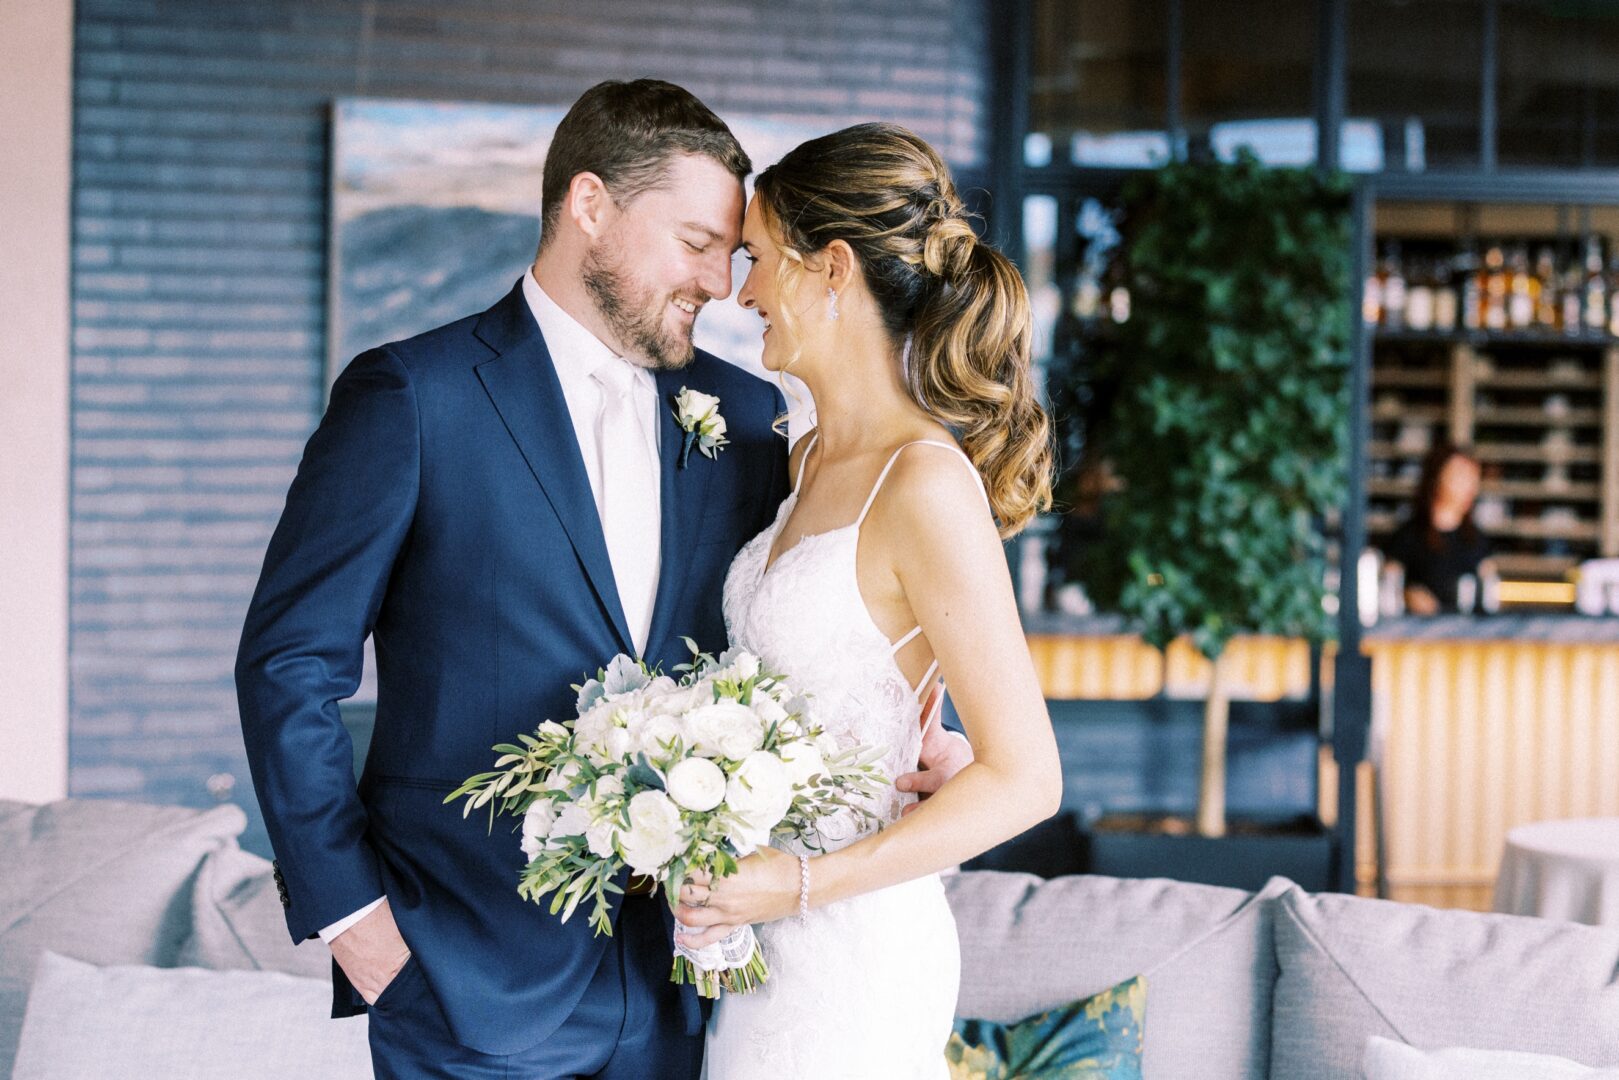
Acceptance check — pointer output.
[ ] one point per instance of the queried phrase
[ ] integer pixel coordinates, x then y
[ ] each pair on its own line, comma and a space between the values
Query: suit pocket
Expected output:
399, 986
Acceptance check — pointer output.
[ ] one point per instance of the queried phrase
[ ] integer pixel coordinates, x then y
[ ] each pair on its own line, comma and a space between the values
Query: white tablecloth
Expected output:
1562, 870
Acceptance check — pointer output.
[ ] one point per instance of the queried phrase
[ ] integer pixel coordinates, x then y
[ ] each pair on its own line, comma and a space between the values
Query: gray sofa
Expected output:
1276, 984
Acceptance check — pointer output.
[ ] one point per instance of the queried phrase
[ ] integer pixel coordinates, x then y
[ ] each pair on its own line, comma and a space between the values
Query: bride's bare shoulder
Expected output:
933, 480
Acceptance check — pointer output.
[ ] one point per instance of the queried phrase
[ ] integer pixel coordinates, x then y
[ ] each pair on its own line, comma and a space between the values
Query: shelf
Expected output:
1424, 414
1527, 452
1488, 338
1536, 380
1530, 529
1411, 378
1509, 416
1518, 565
1390, 487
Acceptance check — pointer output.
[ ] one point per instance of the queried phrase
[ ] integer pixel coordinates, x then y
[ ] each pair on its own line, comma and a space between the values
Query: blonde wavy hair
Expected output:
956, 308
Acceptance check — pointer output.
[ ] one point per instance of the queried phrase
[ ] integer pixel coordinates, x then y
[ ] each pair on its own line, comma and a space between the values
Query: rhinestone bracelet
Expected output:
803, 888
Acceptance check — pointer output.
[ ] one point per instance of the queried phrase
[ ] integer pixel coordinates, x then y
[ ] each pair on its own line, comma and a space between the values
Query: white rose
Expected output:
769, 710
654, 835
760, 791
697, 784
537, 822
725, 729
600, 838
649, 735
803, 761
694, 404
573, 820
608, 788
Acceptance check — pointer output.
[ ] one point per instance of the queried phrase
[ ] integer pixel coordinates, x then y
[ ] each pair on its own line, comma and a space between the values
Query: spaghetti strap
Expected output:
933, 669
906, 640
803, 461
882, 476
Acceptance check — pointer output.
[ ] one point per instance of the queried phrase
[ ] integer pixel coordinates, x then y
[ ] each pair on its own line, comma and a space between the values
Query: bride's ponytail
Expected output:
885, 192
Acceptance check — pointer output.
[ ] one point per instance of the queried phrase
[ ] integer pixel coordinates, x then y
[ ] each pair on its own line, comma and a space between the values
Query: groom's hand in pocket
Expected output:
371, 952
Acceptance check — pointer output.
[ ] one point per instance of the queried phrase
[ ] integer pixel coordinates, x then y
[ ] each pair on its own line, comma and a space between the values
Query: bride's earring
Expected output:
831, 303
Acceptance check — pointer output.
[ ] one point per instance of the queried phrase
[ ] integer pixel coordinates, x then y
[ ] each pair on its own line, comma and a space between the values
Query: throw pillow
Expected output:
1389, 1060
1098, 1038
146, 1023
110, 882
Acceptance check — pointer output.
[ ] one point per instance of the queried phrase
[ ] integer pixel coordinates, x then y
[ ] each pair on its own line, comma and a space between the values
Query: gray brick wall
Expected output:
200, 160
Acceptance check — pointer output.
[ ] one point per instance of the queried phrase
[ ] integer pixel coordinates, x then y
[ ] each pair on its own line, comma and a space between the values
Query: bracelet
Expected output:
803, 888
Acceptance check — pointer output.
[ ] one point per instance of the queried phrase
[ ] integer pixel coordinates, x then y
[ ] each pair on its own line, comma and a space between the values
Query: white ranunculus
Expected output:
654, 836
725, 729
573, 820
697, 784
537, 822
760, 791
803, 761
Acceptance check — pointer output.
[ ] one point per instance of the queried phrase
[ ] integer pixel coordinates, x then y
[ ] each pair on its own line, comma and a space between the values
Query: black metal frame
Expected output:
1013, 181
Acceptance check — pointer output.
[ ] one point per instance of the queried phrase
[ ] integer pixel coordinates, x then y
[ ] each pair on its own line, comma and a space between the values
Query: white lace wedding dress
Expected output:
865, 988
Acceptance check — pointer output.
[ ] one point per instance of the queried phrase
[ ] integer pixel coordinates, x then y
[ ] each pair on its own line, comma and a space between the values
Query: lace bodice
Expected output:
804, 616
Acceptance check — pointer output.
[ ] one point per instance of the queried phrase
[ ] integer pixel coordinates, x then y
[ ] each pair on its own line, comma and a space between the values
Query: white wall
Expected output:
36, 66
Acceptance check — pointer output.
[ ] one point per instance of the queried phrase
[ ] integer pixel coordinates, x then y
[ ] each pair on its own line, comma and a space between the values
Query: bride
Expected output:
882, 571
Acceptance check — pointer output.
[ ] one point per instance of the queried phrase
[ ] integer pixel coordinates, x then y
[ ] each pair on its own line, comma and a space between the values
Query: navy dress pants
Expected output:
628, 1026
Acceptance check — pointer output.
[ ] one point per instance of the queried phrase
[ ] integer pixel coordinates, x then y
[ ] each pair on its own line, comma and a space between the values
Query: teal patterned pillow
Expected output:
1098, 1038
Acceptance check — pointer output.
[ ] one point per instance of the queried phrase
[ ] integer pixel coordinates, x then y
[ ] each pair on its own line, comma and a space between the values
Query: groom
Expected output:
500, 504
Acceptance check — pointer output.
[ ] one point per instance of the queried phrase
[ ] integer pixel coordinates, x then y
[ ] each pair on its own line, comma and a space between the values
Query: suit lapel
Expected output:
522, 383
683, 497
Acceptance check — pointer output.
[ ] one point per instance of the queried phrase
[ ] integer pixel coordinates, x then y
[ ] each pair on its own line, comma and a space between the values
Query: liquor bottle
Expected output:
1419, 296
1470, 274
1613, 293
1544, 289
1445, 299
1571, 293
1394, 292
1521, 291
1494, 287
1595, 305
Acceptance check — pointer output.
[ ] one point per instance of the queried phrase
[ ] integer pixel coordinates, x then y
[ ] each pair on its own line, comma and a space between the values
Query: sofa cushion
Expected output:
1353, 968
1029, 944
1097, 1038
237, 921
177, 1023
1389, 1060
106, 882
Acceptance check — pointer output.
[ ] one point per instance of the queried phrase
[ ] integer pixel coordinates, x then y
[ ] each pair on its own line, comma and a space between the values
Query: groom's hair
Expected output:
626, 133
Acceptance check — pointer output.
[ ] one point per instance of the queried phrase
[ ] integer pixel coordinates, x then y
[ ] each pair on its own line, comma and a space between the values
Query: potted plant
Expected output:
1225, 432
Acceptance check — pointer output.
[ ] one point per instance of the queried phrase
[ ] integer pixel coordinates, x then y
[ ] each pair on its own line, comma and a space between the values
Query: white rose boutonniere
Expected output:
699, 417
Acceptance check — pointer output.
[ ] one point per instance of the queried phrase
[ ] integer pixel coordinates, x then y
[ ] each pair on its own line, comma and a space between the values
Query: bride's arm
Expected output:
955, 578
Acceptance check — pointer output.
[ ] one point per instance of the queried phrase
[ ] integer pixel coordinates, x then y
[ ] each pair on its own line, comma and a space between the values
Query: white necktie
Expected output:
629, 496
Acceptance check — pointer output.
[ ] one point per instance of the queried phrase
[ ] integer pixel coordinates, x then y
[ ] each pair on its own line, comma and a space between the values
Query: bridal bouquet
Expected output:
666, 777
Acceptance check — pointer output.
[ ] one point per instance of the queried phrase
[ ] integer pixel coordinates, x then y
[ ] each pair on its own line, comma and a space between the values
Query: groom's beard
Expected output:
634, 313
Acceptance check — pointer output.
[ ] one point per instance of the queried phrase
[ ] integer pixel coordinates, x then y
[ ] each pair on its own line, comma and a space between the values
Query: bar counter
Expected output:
1480, 724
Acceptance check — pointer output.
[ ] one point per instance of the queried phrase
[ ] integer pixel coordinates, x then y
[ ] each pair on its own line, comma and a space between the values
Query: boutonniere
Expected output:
699, 417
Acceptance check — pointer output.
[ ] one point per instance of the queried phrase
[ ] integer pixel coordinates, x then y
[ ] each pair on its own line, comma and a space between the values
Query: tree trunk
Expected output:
1211, 792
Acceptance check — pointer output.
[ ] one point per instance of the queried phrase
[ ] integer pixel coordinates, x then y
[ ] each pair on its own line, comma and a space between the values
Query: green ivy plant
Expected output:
1228, 423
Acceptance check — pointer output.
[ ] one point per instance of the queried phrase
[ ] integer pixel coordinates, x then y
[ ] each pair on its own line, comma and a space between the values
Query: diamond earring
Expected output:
831, 303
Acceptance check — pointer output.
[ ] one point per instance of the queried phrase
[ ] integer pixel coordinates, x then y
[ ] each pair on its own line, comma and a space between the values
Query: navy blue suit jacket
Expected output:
443, 508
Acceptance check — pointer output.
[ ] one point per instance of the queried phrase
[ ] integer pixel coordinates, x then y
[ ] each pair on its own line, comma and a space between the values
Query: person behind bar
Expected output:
1440, 544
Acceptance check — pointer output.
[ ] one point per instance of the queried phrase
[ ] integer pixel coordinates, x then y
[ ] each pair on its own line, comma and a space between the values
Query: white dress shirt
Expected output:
576, 354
